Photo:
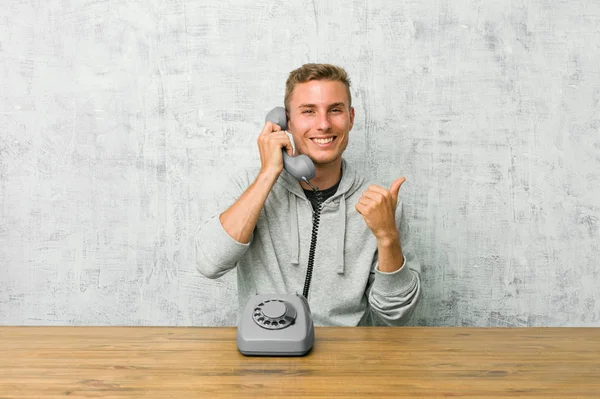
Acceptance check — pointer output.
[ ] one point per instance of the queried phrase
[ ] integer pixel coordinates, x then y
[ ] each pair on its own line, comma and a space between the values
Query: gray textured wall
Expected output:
120, 120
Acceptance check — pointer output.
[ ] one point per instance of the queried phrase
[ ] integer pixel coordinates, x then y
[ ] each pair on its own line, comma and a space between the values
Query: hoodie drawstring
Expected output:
341, 235
294, 236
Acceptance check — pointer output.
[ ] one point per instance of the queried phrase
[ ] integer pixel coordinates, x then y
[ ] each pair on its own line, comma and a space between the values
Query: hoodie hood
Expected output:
348, 185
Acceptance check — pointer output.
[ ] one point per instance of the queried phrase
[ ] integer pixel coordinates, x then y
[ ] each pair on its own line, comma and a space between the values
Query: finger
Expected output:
359, 208
267, 128
374, 195
366, 201
283, 141
267, 136
383, 192
288, 147
270, 127
378, 189
395, 187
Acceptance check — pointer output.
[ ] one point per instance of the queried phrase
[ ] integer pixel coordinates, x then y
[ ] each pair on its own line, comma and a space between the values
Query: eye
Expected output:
306, 111
336, 110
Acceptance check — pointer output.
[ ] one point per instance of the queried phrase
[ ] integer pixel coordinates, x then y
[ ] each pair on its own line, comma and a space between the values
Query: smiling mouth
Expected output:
323, 141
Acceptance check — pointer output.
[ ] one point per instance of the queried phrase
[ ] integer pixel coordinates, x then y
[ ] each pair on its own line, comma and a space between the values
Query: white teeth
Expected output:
323, 141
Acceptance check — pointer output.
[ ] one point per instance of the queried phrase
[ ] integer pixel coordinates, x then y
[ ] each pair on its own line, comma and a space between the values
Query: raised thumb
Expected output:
395, 187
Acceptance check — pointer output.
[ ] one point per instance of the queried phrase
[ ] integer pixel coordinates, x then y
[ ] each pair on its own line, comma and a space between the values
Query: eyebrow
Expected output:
338, 104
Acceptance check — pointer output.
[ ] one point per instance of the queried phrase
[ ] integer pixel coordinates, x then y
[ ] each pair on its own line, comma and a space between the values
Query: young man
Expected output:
363, 273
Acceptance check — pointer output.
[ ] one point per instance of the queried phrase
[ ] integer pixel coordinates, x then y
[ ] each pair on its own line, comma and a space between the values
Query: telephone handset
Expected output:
300, 166
281, 324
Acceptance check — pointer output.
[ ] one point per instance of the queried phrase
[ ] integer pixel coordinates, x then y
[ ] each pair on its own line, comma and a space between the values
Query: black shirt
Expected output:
312, 197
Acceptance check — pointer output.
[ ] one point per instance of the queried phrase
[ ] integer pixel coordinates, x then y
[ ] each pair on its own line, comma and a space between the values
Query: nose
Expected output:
323, 122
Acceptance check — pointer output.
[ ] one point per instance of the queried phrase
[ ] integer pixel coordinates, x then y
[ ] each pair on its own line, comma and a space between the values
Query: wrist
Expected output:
391, 257
268, 175
388, 239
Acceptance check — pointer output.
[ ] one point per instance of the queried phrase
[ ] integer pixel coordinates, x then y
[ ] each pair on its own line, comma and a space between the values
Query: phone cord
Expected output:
313, 241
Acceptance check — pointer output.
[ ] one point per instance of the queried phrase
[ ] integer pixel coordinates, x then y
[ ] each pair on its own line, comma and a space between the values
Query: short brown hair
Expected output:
308, 72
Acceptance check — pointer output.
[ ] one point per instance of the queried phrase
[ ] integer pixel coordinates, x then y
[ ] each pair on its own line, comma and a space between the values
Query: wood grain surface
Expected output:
203, 362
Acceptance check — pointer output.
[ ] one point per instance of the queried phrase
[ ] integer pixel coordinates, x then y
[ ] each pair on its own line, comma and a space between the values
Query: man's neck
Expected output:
327, 175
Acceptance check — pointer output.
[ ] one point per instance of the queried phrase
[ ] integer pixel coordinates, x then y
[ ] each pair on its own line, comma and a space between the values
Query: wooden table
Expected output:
127, 362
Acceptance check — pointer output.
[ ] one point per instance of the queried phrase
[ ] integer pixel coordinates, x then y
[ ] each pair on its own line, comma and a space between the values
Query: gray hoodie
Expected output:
346, 289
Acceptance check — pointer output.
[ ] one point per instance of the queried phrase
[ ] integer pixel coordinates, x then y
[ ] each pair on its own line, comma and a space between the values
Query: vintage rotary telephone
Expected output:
281, 324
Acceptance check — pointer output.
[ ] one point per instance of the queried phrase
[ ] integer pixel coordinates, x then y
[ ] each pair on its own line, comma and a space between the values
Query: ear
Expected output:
351, 118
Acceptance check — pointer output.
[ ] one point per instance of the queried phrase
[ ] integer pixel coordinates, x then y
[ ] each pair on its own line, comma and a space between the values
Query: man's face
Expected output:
320, 120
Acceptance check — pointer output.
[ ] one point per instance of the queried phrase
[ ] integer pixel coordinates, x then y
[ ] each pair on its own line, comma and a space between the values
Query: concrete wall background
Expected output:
119, 122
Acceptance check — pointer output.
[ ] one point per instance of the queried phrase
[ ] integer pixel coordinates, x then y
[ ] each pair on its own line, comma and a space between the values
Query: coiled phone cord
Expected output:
313, 240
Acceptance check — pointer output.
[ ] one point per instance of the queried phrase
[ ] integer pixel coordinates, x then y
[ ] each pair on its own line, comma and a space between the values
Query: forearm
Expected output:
390, 254
239, 220
393, 295
394, 285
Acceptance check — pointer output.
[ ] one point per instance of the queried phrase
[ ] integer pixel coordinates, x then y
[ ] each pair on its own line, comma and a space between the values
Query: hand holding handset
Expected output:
281, 324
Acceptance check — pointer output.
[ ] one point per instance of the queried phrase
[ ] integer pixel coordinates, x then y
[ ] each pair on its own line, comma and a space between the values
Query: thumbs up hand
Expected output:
377, 206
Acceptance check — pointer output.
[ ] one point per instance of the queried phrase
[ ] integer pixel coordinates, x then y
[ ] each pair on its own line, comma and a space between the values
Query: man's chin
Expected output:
325, 161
